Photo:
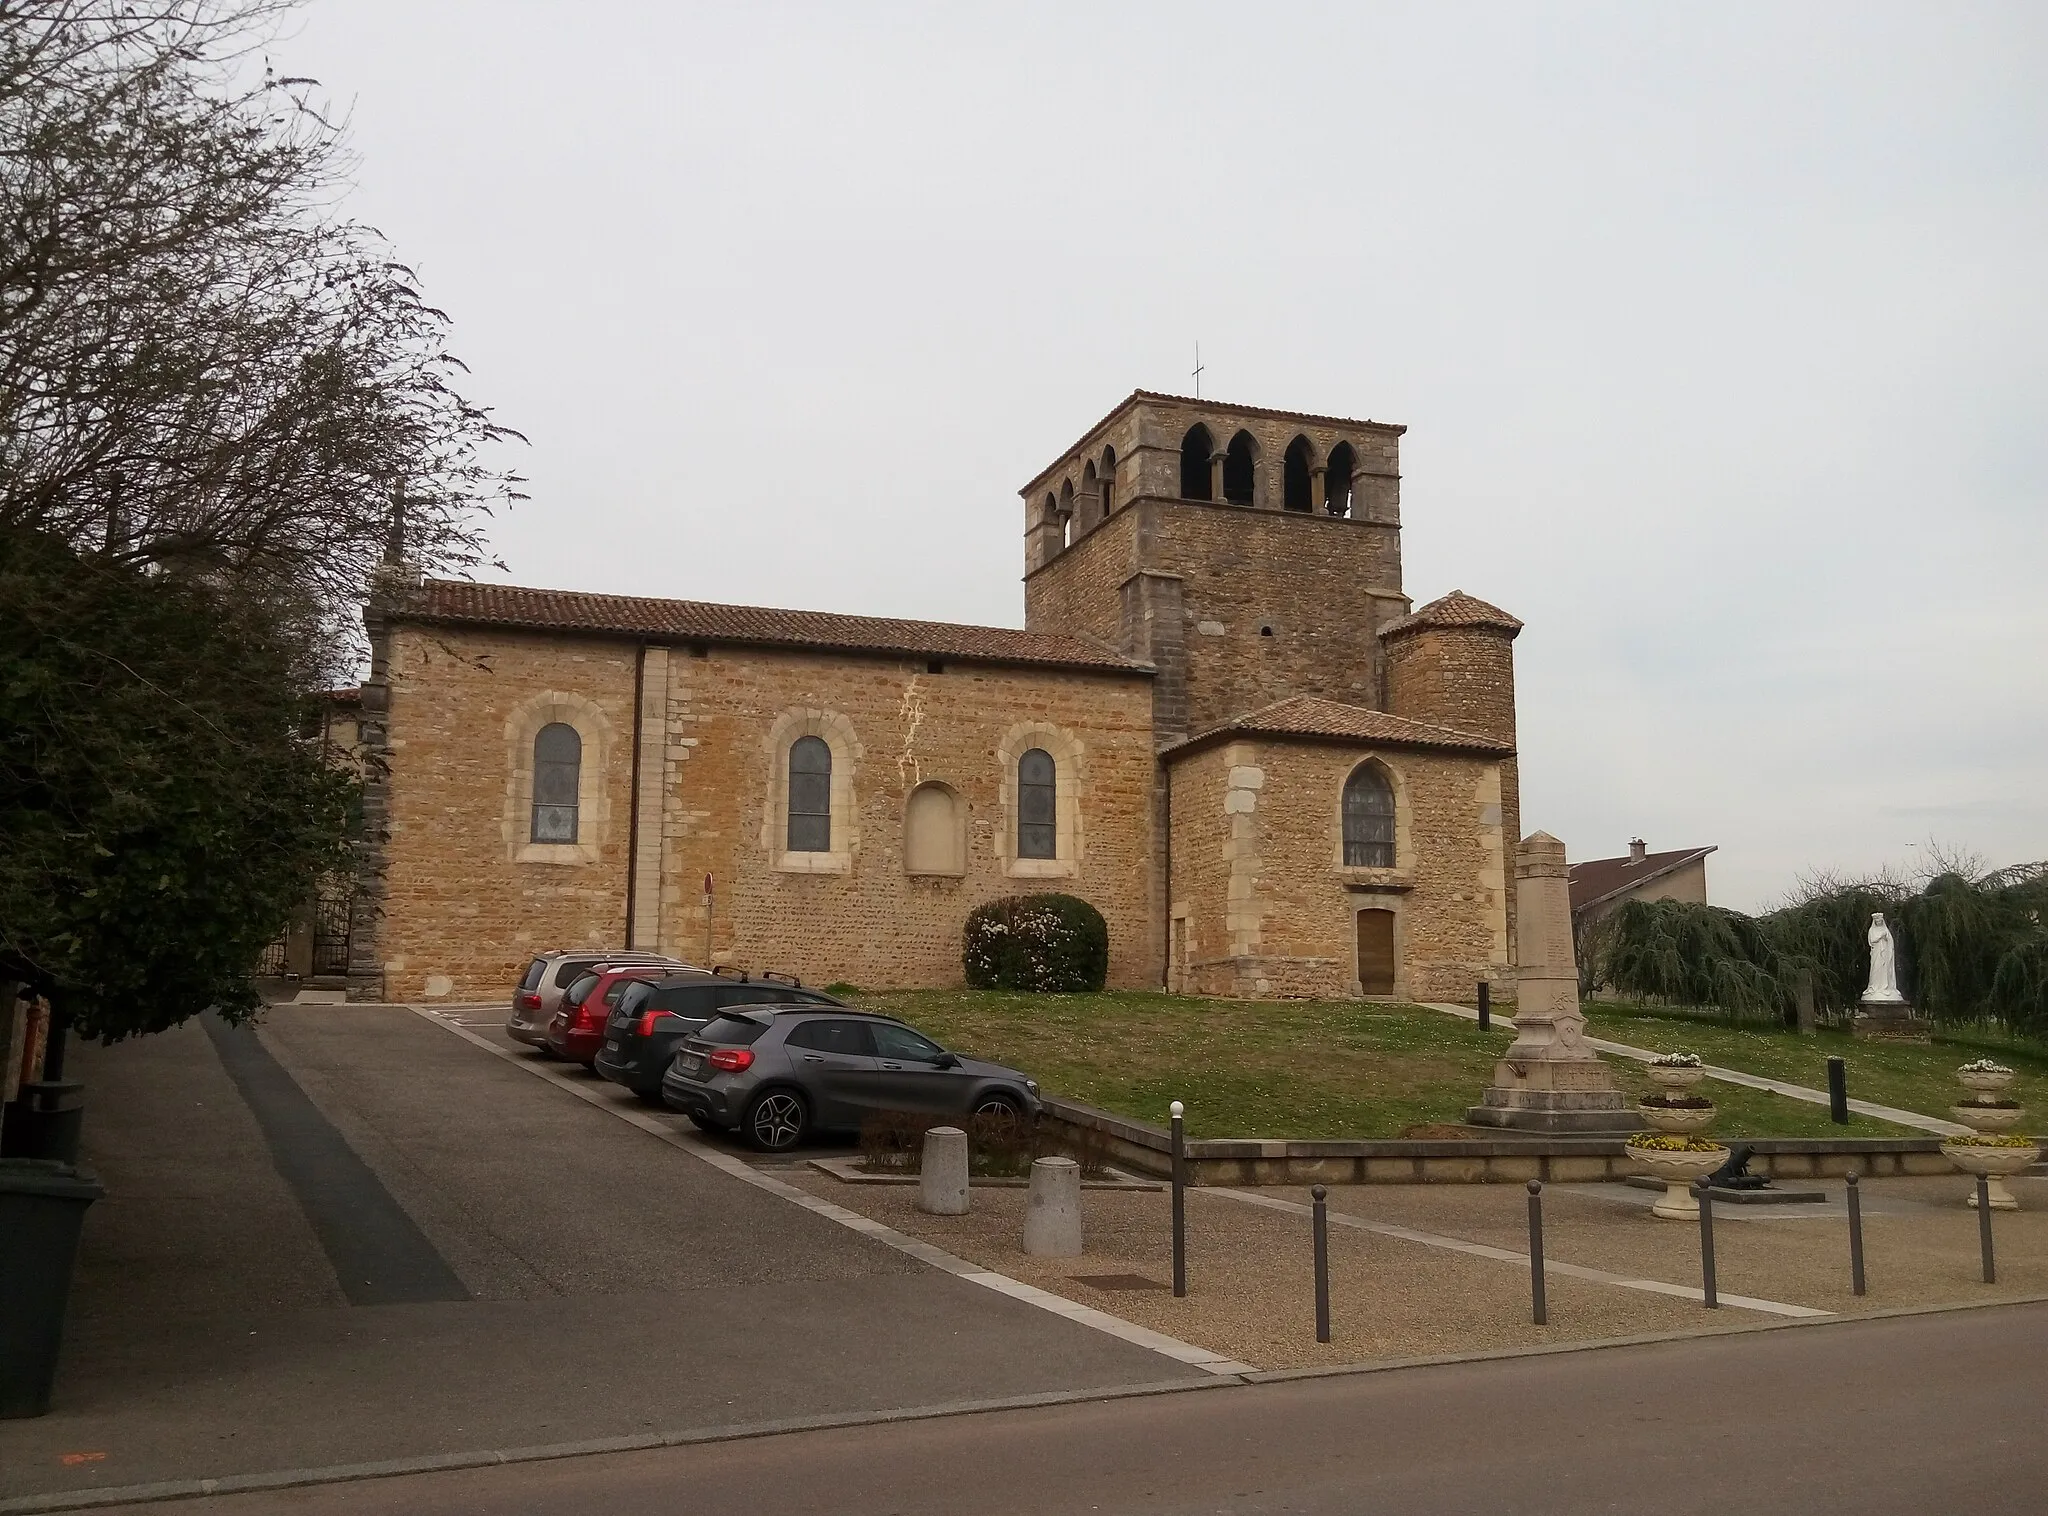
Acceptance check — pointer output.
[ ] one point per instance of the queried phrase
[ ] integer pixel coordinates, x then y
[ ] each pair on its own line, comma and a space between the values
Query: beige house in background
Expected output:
1601, 886
1223, 723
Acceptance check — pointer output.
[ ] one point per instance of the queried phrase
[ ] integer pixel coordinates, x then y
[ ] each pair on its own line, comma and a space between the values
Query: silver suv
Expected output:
774, 1073
538, 994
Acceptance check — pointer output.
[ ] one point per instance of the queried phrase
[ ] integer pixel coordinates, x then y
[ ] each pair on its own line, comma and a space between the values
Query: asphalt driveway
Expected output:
352, 1236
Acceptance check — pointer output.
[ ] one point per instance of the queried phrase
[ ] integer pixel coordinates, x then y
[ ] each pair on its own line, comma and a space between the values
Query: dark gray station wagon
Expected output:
775, 1073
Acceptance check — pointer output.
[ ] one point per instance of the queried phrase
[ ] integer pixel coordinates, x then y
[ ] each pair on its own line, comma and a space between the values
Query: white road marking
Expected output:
1508, 1255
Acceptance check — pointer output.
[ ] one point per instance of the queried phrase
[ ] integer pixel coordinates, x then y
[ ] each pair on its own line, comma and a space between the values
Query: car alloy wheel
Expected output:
1000, 1109
775, 1121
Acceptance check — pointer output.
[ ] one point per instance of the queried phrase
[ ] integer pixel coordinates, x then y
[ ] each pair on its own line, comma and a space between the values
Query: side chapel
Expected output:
1223, 723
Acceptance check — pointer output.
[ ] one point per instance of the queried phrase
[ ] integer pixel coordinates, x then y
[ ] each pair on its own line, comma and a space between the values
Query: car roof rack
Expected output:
775, 977
728, 971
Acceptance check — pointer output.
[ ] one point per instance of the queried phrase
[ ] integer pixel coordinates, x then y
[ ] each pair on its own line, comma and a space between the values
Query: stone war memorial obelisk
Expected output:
1549, 1080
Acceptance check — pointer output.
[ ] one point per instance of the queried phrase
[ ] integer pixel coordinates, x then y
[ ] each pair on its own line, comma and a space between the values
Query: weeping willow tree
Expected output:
1972, 947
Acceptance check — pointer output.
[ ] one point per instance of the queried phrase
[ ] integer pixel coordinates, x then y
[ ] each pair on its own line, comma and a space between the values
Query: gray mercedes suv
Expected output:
775, 1073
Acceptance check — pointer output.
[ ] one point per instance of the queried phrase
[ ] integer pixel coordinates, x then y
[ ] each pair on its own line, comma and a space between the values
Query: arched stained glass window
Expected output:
810, 796
557, 782
1368, 819
1037, 806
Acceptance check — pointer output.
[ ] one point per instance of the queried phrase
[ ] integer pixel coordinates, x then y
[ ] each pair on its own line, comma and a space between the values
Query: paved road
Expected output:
357, 1237
1895, 1417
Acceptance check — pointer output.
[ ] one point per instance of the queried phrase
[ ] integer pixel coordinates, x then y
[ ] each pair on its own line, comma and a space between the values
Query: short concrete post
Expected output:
942, 1179
1052, 1217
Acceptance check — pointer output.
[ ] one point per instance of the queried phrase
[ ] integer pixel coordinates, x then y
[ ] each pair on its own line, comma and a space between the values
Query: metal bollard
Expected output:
1705, 1193
1855, 1235
1838, 1092
1180, 1201
1984, 1229
1485, 1005
1320, 1216
1539, 1308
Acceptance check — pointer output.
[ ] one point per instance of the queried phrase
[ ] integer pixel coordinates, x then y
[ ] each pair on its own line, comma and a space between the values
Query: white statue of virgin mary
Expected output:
1884, 966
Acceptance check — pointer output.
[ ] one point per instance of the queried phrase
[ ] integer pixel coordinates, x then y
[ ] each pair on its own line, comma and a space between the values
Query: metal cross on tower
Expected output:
1198, 370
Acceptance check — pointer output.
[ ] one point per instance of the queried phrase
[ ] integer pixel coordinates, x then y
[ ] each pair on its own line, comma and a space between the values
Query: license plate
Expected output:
612, 1046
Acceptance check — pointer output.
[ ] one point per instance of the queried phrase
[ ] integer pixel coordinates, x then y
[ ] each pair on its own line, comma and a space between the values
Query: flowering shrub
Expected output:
1984, 1066
1988, 1140
1045, 943
1676, 1061
1677, 1102
1665, 1142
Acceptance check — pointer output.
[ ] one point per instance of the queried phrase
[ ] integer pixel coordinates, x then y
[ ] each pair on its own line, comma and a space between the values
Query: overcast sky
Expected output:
1720, 333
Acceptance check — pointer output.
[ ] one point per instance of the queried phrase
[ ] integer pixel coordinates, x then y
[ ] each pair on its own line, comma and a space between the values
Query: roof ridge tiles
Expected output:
596, 612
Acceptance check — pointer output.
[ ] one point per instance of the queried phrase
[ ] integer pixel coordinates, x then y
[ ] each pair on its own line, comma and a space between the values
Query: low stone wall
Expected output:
1145, 1149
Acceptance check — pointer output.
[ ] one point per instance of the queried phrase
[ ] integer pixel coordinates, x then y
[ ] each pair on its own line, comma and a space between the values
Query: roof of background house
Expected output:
1319, 720
455, 602
1600, 879
1455, 609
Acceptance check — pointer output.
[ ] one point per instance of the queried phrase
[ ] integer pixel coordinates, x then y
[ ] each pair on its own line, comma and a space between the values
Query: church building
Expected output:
1223, 723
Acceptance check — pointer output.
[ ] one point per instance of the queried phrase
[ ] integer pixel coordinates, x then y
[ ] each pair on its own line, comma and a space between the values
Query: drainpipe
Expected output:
633, 805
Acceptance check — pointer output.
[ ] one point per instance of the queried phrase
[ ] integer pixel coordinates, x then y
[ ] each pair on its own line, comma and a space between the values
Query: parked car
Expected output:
539, 992
576, 1030
653, 1017
775, 1073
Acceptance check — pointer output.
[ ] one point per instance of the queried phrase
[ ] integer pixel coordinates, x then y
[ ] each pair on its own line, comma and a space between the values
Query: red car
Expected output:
577, 1030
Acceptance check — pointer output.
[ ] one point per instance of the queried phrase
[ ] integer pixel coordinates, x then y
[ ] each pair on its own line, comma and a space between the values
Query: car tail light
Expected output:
732, 1060
645, 1028
528, 1001
586, 1018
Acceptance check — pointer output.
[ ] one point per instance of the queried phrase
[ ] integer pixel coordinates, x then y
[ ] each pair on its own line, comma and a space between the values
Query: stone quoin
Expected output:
1223, 724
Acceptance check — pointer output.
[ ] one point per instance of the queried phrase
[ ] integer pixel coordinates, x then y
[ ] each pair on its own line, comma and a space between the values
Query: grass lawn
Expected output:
1913, 1078
1288, 1068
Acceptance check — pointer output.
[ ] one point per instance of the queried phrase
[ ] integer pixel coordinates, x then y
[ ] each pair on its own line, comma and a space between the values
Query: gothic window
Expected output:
1091, 497
1368, 819
1240, 470
1195, 451
810, 796
557, 782
1037, 806
1108, 481
1298, 486
1337, 480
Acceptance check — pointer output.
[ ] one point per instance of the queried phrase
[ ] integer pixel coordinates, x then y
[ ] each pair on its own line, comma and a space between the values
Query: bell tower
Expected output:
1248, 554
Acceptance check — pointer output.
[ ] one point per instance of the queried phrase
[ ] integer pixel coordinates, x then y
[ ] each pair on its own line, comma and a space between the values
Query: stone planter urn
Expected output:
1989, 1113
1671, 1151
1675, 1078
1678, 1168
1993, 1157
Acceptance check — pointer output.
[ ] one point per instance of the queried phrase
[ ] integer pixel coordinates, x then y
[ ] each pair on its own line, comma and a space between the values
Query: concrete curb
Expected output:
435, 1463
1641, 1339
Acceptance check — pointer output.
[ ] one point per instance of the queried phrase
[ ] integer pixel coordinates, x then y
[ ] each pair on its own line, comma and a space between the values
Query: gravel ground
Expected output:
1251, 1288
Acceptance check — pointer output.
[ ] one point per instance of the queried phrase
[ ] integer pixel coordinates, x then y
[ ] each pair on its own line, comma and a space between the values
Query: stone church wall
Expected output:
469, 899
1268, 905
462, 911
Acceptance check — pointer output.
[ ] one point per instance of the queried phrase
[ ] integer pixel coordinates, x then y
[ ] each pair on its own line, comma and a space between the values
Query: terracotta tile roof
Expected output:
1455, 609
505, 605
1599, 879
1316, 719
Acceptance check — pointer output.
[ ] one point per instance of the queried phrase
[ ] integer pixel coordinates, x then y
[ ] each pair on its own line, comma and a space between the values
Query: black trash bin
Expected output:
45, 1121
42, 1208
